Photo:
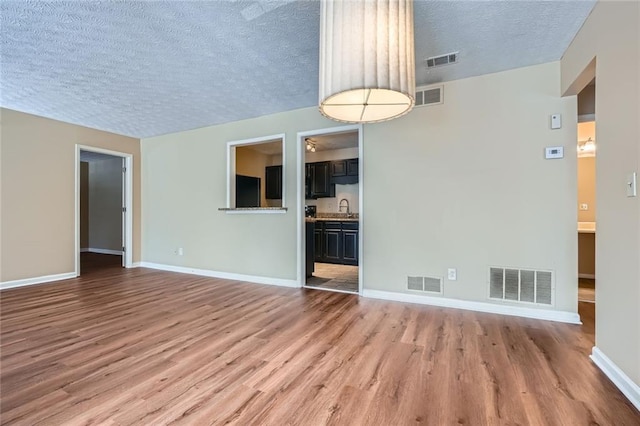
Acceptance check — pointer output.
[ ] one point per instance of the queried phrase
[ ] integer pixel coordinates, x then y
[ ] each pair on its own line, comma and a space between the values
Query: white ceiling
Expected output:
143, 68
335, 141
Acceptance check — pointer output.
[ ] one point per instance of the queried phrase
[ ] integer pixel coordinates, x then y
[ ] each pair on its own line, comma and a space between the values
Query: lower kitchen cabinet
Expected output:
336, 242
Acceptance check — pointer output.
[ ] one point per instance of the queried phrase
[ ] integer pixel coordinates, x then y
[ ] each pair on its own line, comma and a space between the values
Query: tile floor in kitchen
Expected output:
334, 277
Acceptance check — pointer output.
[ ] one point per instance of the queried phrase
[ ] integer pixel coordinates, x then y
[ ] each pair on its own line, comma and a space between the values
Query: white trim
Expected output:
231, 164
623, 382
135, 265
36, 280
589, 276
103, 251
301, 243
544, 314
261, 211
334, 290
84, 250
128, 189
224, 275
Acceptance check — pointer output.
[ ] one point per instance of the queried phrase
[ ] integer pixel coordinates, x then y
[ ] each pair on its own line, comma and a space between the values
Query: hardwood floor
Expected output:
138, 346
334, 277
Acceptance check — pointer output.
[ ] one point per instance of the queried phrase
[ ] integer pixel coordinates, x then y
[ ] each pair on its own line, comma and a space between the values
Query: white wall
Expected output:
460, 185
105, 204
611, 36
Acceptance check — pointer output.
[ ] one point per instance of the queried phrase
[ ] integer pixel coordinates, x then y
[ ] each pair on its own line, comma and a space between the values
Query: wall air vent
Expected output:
425, 284
429, 95
446, 59
521, 285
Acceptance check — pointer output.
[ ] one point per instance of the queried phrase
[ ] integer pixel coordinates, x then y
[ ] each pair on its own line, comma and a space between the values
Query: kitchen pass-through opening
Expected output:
330, 193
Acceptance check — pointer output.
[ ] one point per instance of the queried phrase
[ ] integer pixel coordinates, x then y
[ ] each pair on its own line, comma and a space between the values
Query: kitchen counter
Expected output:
331, 219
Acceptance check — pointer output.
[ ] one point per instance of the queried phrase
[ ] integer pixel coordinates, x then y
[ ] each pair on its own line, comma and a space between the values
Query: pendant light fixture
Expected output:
367, 64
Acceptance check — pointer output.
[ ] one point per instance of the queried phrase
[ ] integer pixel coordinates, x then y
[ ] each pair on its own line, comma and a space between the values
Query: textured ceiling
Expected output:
142, 68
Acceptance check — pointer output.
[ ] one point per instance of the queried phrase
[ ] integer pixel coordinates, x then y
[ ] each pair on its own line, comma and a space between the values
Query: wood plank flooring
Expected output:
145, 347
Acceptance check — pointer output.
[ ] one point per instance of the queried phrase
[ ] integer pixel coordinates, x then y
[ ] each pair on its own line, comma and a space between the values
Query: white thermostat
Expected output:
554, 152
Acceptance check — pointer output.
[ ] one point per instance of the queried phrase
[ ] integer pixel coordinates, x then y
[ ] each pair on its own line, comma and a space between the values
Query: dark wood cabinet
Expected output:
336, 242
350, 247
318, 180
352, 167
273, 182
318, 241
338, 168
310, 246
344, 172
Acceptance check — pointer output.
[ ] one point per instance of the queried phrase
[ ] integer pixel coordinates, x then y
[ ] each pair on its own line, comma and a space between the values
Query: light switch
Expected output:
556, 121
632, 190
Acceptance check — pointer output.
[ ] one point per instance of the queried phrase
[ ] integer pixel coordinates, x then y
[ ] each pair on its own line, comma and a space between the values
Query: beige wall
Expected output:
587, 101
586, 254
461, 185
84, 204
611, 36
38, 174
105, 204
587, 188
465, 185
185, 179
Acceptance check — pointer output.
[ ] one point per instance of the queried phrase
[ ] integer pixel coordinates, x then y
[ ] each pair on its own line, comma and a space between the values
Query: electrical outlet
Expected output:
584, 206
452, 274
179, 251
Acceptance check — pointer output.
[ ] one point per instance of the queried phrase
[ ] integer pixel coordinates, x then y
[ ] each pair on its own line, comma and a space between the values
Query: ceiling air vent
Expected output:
429, 95
425, 284
521, 285
438, 61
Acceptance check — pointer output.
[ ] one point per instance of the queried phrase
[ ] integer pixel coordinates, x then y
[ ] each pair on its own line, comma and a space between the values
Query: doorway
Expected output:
103, 209
586, 196
330, 209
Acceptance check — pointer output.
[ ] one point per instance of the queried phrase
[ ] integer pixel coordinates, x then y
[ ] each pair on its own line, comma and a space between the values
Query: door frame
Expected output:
301, 243
127, 189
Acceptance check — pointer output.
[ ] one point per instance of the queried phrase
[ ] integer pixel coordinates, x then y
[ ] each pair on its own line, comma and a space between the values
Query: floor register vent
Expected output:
521, 285
425, 284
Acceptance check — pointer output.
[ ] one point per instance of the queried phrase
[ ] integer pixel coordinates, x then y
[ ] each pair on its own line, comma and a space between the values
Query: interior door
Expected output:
124, 212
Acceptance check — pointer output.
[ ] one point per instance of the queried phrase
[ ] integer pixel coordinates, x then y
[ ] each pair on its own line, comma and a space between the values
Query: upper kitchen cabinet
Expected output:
344, 172
319, 183
273, 181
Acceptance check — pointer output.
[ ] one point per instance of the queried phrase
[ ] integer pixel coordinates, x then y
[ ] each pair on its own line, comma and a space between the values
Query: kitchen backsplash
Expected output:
330, 205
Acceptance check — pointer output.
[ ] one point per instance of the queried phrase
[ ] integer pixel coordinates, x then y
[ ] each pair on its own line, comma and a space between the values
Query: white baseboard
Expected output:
224, 275
544, 314
630, 389
135, 265
84, 250
587, 276
36, 280
104, 251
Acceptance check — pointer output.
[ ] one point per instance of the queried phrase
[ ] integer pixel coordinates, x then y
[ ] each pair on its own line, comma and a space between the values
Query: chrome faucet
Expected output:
340, 206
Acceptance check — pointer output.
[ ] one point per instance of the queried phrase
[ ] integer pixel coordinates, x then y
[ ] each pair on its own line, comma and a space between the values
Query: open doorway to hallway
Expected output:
102, 213
586, 151
330, 191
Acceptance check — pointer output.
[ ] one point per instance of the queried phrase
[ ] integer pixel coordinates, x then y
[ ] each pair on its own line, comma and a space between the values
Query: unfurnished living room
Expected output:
298, 212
